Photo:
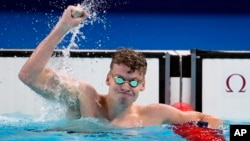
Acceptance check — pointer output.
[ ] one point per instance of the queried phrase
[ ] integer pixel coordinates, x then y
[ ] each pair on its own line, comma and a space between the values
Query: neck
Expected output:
115, 109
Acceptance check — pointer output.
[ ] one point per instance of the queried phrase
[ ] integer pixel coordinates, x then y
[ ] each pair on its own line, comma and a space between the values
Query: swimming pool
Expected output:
17, 126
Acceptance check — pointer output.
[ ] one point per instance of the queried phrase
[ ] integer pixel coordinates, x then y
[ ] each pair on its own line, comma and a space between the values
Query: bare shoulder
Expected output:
88, 95
163, 112
157, 109
154, 114
86, 88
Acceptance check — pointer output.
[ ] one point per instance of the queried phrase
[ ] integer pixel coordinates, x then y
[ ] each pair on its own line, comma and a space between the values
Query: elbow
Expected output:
22, 75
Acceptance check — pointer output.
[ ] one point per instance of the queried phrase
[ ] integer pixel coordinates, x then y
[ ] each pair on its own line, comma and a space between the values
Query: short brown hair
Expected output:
129, 57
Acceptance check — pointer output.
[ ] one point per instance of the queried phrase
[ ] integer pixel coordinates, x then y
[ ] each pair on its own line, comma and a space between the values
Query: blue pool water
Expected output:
16, 127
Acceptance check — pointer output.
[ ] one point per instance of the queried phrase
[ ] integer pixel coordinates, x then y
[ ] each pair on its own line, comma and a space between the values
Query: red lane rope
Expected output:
192, 132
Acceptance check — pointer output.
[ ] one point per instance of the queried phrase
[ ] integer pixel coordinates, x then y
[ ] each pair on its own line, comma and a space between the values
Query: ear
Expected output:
143, 85
108, 79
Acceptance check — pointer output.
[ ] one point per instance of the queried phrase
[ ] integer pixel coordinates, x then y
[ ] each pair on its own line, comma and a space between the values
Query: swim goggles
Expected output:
120, 80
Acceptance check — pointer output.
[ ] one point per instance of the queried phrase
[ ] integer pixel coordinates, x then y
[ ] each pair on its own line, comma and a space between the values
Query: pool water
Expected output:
24, 133
16, 127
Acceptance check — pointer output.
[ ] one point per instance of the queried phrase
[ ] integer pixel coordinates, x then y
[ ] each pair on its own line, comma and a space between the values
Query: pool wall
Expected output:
214, 82
93, 67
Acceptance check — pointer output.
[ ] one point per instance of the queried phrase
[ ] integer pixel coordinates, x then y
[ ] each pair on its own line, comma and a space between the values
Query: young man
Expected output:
125, 79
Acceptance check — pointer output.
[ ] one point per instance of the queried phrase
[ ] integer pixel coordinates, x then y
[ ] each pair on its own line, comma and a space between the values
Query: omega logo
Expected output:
242, 89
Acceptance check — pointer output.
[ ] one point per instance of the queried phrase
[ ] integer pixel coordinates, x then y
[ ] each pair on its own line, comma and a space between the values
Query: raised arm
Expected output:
34, 72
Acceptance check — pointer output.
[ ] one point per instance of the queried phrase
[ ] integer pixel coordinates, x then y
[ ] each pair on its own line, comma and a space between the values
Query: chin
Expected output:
124, 101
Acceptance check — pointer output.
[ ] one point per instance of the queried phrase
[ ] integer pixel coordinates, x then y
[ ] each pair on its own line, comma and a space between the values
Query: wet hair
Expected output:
129, 57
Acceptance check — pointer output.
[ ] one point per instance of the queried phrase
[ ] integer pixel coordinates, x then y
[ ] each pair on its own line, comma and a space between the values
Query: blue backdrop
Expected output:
153, 29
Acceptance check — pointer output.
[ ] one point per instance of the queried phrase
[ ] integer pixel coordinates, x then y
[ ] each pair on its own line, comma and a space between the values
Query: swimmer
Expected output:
125, 79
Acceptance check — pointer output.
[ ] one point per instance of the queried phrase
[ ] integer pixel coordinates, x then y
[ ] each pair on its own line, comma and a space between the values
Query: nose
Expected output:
125, 86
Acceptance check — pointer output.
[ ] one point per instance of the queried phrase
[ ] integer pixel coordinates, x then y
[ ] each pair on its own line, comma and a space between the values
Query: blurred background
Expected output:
140, 24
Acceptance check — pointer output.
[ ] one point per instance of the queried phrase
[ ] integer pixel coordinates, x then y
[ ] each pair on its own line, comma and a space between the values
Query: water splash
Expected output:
97, 10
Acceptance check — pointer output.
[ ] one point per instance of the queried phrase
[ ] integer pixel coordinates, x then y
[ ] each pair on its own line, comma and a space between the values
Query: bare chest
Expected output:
133, 121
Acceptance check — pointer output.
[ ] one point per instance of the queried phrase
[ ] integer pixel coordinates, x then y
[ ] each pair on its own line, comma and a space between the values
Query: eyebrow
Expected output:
135, 78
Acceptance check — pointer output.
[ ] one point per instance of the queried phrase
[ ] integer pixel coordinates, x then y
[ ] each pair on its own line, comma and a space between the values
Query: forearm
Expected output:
44, 51
39, 58
213, 122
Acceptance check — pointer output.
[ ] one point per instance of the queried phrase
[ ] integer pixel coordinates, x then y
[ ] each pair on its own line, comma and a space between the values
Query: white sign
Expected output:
226, 88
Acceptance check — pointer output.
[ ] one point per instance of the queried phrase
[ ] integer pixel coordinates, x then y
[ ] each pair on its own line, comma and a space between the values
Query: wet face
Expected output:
124, 86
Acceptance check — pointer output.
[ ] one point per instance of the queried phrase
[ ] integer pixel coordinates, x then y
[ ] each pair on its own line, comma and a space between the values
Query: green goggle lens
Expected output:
120, 81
